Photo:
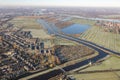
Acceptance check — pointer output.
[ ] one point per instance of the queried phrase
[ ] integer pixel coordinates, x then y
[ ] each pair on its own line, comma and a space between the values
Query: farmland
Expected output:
83, 21
108, 64
105, 39
30, 24
97, 76
26, 22
97, 35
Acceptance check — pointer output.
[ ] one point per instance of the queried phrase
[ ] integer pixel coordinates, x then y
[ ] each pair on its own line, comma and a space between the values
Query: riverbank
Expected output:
97, 35
103, 69
63, 65
63, 24
75, 29
103, 52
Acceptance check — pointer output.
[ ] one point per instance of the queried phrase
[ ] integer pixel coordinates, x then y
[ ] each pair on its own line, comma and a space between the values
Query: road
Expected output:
103, 52
52, 29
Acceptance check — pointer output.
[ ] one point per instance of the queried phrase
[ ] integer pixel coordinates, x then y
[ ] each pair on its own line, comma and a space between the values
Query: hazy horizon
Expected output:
62, 3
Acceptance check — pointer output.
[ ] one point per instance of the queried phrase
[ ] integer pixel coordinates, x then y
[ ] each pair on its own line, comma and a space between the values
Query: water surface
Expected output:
76, 28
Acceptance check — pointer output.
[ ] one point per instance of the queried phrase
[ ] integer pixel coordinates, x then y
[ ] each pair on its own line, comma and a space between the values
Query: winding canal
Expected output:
103, 52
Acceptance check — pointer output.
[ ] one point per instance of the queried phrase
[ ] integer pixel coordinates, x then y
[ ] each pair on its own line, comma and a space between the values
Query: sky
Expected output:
74, 3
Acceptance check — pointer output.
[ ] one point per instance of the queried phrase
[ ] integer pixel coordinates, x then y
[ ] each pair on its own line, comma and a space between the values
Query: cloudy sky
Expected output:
87, 3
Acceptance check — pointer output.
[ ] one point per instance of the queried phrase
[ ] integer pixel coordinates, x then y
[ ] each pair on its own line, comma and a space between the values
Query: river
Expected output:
46, 76
76, 29
53, 30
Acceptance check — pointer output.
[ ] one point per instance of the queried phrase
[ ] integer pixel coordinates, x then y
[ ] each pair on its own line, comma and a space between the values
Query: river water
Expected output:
76, 29
46, 76
101, 55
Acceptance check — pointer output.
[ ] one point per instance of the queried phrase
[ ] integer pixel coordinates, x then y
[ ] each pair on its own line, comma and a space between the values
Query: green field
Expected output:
97, 76
83, 21
110, 63
30, 24
61, 41
97, 35
106, 39
26, 22
39, 33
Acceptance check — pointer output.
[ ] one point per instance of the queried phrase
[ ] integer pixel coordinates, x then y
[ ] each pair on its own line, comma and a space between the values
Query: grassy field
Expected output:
97, 76
26, 22
61, 41
39, 33
100, 37
97, 35
112, 62
83, 21
30, 24
53, 41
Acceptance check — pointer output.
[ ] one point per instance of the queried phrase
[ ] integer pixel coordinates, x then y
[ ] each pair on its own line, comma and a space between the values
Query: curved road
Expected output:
103, 52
